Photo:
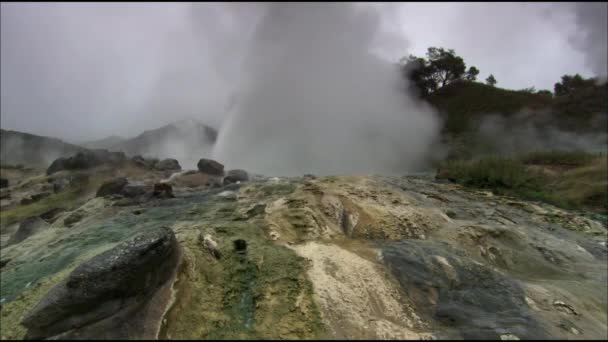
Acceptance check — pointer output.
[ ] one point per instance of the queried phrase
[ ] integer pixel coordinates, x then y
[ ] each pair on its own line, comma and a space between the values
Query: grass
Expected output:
581, 186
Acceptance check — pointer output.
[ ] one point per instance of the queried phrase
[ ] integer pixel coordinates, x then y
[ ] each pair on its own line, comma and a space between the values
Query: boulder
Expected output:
163, 190
106, 297
5, 193
3, 183
27, 228
69, 180
234, 176
146, 163
135, 190
86, 160
167, 165
211, 246
210, 167
111, 187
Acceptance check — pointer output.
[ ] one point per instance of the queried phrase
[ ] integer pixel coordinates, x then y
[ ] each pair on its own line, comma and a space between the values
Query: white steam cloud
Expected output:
315, 99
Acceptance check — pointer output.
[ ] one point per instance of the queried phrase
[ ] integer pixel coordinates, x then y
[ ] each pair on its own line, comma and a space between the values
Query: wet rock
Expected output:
469, 300
74, 218
111, 187
256, 210
3, 183
27, 228
50, 215
34, 198
125, 202
163, 190
86, 160
104, 297
233, 176
167, 165
210, 167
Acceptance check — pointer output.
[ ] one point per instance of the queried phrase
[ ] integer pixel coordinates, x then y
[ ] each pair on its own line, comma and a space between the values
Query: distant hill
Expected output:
104, 143
463, 104
187, 141
32, 150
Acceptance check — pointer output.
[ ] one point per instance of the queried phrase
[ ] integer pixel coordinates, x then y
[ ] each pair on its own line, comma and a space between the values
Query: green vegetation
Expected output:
580, 181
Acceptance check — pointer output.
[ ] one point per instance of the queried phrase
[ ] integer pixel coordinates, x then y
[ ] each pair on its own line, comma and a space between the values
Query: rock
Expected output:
167, 165
236, 175
211, 246
73, 218
86, 160
442, 174
3, 183
50, 215
135, 190
125, 202
163, 190
210, 167
111, 187
105, 297
35, 198
240, 245
146, 163
27, 228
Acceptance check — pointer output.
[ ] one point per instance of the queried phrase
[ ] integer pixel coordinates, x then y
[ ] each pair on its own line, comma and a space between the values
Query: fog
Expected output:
524, 132
317, 100
85, 71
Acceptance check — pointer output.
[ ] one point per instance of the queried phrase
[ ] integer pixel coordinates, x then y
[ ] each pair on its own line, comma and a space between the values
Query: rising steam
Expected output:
315, 99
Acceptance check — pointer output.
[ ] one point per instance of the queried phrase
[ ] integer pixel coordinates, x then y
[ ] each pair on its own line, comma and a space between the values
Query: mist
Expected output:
592, 20
315, 99
520, 133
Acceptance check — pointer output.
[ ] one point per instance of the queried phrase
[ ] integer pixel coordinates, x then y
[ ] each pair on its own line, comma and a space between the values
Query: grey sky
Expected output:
89, 70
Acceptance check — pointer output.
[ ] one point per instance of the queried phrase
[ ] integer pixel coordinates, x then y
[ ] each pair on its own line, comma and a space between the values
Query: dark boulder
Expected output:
70, 180
146, 163
234, 176
111, 187
3, 183
27, 228
167, 165
163, 190
210, 167
133, 190
86, 160
106, 297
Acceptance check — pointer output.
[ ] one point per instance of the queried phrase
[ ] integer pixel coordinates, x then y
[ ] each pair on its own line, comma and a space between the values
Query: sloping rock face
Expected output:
86, 160
340, 257
104, 297
111, 187
28, 228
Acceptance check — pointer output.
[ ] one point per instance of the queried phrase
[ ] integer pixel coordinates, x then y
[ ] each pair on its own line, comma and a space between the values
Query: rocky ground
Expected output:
308, 257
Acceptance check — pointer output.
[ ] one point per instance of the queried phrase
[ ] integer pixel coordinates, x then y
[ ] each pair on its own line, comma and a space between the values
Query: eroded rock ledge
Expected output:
114, 295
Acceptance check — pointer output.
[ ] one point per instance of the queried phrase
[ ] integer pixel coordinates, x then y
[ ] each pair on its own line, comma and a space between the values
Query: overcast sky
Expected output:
85, 70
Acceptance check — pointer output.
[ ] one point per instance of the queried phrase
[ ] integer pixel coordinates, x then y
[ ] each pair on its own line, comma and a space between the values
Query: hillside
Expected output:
185, 141
32, 150
105, 143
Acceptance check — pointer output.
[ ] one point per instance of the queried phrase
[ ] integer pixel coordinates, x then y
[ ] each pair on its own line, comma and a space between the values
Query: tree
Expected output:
440, 68
491, 80
570, 83
471, 74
